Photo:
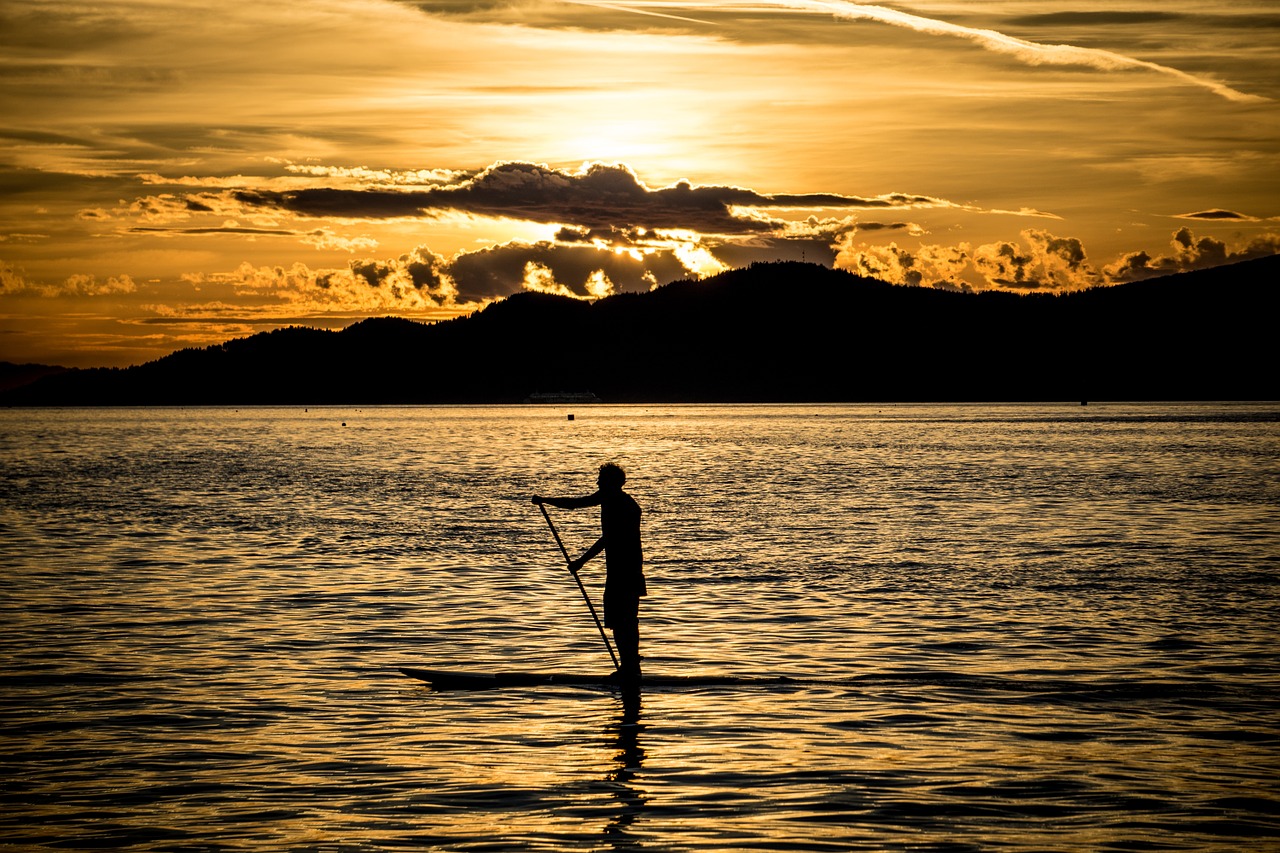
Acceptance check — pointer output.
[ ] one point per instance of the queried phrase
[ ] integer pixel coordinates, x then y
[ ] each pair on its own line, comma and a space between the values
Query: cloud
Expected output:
14, 283
578, 268
423, 283
1041, 261
941, 267
1104, 18
324, 239
811, 240
219, 229
540, 279
321, 238
579, 260
1189, 253
615, 234
88, 285
584, 263
11, 281
597, 196
1217, 214
556, 15
1046, 263
460, 7
1252, 21
1031, 53
420, 270
611, 225
385, 177
588, 265
355, 291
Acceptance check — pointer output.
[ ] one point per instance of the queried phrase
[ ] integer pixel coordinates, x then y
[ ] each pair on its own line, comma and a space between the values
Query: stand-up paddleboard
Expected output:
453, 680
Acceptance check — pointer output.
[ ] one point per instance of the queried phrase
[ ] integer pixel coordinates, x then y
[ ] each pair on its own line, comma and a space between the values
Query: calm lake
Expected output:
1016, 628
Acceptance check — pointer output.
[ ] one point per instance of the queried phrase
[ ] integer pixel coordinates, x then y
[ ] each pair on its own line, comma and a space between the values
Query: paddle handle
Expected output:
556, 534
581, 588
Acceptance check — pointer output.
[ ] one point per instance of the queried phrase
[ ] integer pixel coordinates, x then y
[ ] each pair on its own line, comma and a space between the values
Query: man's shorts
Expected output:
621, 610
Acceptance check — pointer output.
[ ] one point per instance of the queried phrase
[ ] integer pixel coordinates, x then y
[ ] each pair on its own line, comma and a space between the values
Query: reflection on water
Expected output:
629, 757
1026, 628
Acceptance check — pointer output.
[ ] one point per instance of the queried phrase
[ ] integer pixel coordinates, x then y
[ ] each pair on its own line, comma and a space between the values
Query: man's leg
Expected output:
627, 637
623, 616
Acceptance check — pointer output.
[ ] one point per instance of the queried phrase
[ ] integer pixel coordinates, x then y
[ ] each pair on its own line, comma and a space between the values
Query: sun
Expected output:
618, 141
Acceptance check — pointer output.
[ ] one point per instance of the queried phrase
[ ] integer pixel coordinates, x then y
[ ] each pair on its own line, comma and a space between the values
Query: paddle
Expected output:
581, 588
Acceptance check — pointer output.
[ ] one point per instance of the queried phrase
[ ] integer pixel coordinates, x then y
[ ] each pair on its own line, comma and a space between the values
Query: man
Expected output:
624, 562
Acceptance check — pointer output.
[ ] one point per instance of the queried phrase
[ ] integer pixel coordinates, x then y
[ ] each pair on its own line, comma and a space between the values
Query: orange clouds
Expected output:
1041, 261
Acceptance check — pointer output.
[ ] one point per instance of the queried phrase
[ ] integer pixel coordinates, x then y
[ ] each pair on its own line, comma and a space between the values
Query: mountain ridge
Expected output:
770, 332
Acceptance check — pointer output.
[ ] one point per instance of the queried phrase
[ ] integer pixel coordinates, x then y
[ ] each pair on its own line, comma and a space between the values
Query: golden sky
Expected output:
177, 173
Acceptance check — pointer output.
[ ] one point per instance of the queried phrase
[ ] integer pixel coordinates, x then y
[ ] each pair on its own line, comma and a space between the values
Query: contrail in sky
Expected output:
623, 8
1030, 52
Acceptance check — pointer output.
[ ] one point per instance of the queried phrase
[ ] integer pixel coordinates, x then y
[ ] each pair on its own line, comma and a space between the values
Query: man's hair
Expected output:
612, 475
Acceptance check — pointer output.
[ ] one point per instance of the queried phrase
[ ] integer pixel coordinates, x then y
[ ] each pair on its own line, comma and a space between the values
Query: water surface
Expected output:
1021, 628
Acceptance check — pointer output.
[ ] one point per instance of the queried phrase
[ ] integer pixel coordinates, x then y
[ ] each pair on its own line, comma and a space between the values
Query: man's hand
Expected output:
575, 566
537, 499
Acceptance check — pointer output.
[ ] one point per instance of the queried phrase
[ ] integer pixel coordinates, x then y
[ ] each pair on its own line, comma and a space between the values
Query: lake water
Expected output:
1019, 628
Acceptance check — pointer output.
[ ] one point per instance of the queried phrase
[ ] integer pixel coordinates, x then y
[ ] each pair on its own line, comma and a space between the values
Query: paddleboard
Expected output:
454, 680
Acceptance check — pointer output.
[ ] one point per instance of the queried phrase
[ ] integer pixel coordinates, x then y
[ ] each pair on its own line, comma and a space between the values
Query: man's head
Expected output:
611, 476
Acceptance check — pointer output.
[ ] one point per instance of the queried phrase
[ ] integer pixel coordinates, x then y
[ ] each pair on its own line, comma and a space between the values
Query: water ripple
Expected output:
1010, 627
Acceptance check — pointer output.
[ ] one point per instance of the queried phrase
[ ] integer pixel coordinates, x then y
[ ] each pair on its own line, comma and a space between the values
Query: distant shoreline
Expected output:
1202, 335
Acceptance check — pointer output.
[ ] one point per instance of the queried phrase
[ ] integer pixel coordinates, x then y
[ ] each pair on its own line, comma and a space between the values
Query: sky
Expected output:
176, 173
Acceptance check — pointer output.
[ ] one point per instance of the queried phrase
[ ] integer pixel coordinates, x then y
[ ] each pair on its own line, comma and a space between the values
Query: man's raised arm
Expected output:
570, 503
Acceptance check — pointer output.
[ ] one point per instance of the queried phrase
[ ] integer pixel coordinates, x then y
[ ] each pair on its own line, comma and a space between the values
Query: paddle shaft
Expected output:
581, 588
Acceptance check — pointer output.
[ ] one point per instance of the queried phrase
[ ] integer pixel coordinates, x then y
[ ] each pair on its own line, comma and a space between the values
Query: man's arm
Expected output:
575, 566
569, 503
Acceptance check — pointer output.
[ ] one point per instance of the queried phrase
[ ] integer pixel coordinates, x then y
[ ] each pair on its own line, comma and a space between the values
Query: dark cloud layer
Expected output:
818, 250
615, 234
226, 229
600, 196
1101, 19
503, 269
1218, 214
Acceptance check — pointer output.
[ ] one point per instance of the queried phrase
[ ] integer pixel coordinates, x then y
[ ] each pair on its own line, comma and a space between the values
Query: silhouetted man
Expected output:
624, 562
